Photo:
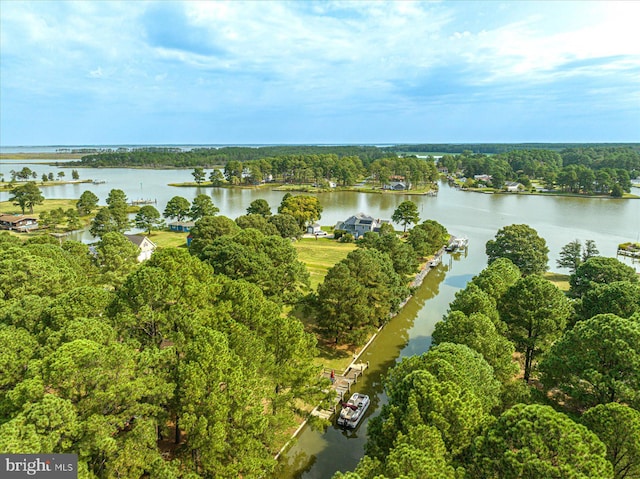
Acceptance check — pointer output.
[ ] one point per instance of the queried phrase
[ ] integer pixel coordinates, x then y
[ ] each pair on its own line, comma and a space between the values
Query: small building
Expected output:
360, 224
147, 247
181, 226
314, 229
484, 178
18, 222
396, 186
513, 186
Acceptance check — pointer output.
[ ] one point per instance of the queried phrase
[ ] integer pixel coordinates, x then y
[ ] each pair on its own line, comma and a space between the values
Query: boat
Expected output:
353, 410
99, 182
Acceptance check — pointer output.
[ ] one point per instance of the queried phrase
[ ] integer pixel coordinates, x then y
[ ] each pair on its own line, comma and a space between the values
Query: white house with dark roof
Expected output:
360, 224
147, 247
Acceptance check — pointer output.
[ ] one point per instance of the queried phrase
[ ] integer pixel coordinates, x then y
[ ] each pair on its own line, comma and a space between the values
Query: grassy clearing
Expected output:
169, 239
321, 254
560, 280
48, 205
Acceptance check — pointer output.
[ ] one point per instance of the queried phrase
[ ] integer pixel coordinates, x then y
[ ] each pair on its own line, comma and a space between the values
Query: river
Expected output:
475, 215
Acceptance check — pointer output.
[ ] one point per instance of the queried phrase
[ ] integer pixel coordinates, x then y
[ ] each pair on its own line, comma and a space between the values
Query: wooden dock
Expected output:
341, 385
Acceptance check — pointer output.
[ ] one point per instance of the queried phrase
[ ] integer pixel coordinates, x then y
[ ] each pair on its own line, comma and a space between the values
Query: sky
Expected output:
304, 72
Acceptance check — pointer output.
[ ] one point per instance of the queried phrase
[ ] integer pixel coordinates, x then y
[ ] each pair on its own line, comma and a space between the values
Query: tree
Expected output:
597, 362
207, 229
202, 206
358, 294
497, 278
618, 427
116, 257
535, 312
522, 245
73, 219
590, 250
45, 178
26, 196
479, 333
87, 203
117, 205
198, 175
259, 207
570, 256
402, 254
406, 214
216, 178
305, 209
286, 225
257, 222
536, 441
599, 270
621, 298
103, 223
177, 207
147, 218
75, 175
60, 175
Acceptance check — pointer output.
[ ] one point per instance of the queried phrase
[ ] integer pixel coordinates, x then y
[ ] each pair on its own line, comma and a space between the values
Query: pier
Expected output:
341, 384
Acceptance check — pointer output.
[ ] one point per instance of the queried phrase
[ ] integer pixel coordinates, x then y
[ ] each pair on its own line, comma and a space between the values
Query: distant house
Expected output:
396, 186
314, 229
18, 222
181, 226
360, 224
147, 247
513, 186
485, 178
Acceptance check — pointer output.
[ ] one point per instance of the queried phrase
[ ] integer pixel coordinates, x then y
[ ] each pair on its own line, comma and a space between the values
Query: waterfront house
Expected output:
147, 247
18, 222
181, 226
360, 224
513, 186
315, 229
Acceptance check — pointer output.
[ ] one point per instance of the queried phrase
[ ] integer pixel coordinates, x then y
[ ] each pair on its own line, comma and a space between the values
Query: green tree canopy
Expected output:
116, 257
257, 222
148, 218
202, 206
259, 207
286, 225
87, 203
178, 208
26, 196
536, 441
536, 313
305, 209
621, 298
522, 245
209, 228
597, 362
406, 214
600, 270
618, 427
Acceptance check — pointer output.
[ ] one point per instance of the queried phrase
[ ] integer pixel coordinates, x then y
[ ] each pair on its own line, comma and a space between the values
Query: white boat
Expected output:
353, 410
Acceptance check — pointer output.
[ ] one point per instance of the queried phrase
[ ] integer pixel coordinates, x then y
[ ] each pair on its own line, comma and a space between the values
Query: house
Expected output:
396, 186
485, 178
18, 222
360, 224
147, 247
181, 226
315, 229
513, 186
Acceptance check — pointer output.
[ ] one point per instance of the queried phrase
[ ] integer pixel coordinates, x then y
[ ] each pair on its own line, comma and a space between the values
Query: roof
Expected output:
14, 218
139, 239
183, 223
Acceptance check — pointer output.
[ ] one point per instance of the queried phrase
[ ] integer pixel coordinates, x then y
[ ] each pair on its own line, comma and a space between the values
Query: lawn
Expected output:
321, 254
169, 239
560, 280
47, 205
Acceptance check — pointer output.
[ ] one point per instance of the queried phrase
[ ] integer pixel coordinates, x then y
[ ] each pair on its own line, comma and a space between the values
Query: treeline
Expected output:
209, 157
568, 407
174, 368
496, 148
322, 169
606, 170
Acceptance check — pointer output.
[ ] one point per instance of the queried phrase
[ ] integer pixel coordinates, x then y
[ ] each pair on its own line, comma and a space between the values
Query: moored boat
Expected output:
353, 410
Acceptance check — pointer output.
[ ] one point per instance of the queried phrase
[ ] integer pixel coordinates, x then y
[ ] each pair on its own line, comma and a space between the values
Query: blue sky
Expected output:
269, 72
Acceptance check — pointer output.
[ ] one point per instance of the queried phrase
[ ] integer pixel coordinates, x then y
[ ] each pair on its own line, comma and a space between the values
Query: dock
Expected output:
341, 385
143, 202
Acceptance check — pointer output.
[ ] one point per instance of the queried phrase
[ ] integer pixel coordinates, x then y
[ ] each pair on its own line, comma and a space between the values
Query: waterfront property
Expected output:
360, 224
147, 247
181, 226
18, 222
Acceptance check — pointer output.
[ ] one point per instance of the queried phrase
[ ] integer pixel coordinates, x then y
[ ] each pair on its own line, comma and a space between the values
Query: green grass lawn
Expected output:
560, 280
169, 239
321, 254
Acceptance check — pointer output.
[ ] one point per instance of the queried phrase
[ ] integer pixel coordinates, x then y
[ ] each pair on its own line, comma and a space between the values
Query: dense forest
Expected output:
522, 380
190, 365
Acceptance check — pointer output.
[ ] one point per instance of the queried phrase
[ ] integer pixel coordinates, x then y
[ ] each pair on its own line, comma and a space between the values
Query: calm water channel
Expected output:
474, 215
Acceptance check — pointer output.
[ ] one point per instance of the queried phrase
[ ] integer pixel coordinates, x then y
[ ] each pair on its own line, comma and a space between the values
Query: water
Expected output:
477, 216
